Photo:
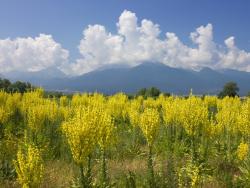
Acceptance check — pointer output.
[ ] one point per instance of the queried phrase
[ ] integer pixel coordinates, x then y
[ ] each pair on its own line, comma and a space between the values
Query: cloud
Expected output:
131, 45
135, 43
31, 54
234, 58
98, 48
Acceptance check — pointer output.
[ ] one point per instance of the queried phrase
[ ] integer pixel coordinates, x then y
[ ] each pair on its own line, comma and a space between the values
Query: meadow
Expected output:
92, 140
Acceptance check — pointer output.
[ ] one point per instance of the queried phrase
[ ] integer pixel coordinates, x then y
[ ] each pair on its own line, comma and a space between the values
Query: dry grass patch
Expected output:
58, 174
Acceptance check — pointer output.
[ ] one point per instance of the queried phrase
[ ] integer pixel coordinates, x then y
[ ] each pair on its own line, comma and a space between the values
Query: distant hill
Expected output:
174, 80
37, 77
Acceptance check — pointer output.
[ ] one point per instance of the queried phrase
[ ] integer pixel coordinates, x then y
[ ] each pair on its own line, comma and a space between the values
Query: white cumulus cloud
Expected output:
133, 43
233, 57
136, 43
31, 54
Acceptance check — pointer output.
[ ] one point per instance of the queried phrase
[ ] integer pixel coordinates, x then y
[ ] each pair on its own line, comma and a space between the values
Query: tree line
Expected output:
12, 87
230, 89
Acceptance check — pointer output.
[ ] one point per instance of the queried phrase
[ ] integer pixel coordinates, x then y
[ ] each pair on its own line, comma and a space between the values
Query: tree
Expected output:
141, 92
230, 89
149, 92
17, 86
4, 84
153, 92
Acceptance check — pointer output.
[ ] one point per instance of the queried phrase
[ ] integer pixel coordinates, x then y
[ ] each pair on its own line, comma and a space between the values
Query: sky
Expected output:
83, 35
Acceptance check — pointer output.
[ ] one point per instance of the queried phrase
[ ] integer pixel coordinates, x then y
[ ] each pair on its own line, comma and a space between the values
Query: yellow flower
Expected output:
82, 131
3, 115
243, 118
211, 101
64, 101
149, 124
194, 115
9, 104
36, 116
29, 166
151, 103
228, 112
106, 129
116, 104
242, 151
171, 108
134, 110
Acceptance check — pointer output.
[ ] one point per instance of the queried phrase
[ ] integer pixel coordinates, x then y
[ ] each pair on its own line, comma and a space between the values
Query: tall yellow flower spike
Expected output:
242, 151
82, 132
106, 128
194, 115
134, 110
29, 166
149, 124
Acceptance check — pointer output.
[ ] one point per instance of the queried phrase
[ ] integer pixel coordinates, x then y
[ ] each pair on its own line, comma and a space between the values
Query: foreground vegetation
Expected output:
93, 140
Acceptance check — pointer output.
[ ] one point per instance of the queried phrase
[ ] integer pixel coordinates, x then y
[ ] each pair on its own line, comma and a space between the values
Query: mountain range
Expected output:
130, 79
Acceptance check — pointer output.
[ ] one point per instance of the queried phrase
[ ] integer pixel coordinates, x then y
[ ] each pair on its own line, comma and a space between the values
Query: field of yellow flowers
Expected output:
92, 140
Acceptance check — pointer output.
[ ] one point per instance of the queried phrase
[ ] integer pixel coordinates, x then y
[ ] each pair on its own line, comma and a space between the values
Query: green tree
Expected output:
153, 92
17, 86
141, 92
4, 84
149, 92
230, 89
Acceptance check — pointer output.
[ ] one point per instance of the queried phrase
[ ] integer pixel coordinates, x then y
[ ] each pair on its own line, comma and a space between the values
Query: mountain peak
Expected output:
206, 69
113, 66
147, 74
53, 72
151, 64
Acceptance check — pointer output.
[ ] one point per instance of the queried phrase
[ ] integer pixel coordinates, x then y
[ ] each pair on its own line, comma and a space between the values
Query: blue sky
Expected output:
65, 20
